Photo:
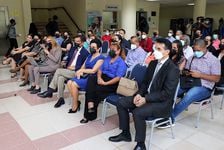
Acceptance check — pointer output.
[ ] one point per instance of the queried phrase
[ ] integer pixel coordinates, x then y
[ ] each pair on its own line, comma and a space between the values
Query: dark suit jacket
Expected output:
162, 89
81, 58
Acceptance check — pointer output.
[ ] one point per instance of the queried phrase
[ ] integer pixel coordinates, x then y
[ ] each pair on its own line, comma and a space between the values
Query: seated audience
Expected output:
76, 57
170, 36
49, 65
177, 55
204, 70
90, 67
125, 44
146, 42
136, 55
16, 55
179, 35
216, 40
187, 49
106, 36
66, 46
58, 38
154, 98
210, 48
105, 83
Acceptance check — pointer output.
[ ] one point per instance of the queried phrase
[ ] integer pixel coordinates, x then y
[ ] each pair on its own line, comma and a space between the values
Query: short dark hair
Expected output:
55, 17
166, 42
97, 42
82, 37
90, 31
123, 30
12, 21
200, 43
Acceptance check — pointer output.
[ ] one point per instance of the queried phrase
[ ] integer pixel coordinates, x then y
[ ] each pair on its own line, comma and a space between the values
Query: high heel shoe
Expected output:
77, 109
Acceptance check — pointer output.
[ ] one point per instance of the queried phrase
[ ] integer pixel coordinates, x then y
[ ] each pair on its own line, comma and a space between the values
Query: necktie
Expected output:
73, 57
154, 75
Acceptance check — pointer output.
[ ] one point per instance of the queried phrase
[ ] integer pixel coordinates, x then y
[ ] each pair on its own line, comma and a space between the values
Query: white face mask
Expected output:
107, 33
133, 46
183, 42
157, 54
170, 34
144, 36
177, 37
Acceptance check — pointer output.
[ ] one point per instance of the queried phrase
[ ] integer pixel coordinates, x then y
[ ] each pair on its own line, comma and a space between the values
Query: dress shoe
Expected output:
31, 88
24, 83
121, 137
41, 93
84, 120
60, 102
77, 109
140, 147
45, 94
35, 91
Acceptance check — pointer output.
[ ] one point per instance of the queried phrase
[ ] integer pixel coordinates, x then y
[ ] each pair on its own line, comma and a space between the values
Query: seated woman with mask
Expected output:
105, 83
90, 67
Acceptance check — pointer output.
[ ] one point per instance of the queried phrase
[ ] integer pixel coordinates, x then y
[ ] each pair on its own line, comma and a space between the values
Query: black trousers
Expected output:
140, 114
13, 44
96, 93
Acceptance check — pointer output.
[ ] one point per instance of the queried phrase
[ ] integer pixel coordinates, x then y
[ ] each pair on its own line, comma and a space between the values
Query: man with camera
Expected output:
198, 79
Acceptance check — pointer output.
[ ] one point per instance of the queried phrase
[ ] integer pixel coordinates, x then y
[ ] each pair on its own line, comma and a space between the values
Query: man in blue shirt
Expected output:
136, 54
58, 38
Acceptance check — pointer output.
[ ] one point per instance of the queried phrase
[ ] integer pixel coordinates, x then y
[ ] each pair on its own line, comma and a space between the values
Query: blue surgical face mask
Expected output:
198, 54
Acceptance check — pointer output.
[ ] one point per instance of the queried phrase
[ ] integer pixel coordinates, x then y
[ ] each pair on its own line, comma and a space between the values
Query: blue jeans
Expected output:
194, 94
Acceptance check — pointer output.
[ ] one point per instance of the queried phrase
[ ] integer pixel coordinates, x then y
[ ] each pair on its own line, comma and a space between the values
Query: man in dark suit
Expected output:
154, 98
76, 57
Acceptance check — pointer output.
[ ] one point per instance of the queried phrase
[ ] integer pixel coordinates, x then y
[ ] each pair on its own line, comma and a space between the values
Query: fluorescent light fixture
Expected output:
152, 0
190, 4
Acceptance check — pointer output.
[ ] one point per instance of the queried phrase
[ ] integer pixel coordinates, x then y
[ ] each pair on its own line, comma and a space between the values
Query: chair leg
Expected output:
171, 127
212, 112
222, 101
198, 117
104, 112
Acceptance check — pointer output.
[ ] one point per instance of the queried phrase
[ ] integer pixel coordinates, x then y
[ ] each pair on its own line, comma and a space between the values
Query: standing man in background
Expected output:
11, 35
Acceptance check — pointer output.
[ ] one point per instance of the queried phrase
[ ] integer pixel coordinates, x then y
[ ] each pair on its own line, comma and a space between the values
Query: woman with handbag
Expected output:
53, 58
105, 83
90, 67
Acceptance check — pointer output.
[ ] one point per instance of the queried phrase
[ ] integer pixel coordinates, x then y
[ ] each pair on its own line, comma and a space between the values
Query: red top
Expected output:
106, 38
146, 44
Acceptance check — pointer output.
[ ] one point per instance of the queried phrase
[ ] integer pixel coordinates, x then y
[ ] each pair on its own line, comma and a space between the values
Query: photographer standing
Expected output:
50, 64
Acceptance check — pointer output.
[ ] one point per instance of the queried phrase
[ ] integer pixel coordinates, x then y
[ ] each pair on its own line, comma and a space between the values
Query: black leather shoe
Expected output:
35, 91
138, 147
60, 102
84, 121
45, 94
121, 137
41, 93
31, 88
77, 109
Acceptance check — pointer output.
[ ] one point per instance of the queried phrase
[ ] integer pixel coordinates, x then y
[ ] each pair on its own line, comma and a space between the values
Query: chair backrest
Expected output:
105, 47
176, 94
138, 73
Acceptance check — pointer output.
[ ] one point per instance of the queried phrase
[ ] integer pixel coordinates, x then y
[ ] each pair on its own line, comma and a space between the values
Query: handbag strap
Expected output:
191, 63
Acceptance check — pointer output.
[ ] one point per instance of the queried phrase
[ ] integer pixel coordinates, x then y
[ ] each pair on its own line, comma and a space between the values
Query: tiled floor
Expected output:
28, 122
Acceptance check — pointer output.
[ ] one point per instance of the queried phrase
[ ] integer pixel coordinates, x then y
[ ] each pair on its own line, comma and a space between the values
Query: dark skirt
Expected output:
96, 93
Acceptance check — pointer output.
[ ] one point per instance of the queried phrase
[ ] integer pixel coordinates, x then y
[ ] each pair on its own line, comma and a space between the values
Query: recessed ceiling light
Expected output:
190, 4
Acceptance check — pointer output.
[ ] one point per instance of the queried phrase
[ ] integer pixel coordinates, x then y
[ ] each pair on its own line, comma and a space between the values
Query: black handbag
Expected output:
187, 81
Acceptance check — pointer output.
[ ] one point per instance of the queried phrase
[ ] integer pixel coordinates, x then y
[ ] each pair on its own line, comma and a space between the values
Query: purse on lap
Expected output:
127, 87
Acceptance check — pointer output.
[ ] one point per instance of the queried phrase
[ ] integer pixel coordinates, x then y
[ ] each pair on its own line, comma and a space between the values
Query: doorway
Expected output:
4, 19
110, 20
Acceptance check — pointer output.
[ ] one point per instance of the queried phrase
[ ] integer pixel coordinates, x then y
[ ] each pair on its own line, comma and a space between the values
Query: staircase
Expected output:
42, 30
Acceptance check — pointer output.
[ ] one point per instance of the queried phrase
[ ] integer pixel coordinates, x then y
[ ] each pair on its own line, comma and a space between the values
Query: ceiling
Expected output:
183, 2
